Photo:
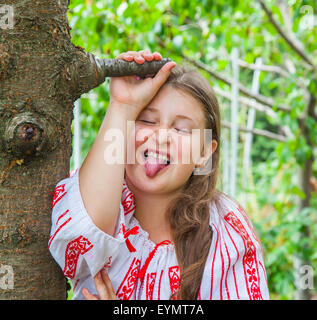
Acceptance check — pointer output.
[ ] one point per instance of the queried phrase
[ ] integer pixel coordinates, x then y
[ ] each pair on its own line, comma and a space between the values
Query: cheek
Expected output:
136, 139
197, 145
184, 146
141, 135
189, 150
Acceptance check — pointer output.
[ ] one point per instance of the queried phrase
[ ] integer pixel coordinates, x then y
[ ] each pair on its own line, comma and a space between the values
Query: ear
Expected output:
209, 151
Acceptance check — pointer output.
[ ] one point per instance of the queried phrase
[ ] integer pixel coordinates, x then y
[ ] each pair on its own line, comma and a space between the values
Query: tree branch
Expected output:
261, 99
267, 68
88, 71
247, 102
259, 132
252, 66
293, 43
255, 105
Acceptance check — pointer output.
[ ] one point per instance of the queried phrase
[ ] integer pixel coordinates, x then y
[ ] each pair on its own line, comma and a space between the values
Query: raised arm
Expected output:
101, 182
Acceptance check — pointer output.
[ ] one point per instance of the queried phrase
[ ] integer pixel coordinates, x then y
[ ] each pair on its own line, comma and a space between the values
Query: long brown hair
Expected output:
189, 214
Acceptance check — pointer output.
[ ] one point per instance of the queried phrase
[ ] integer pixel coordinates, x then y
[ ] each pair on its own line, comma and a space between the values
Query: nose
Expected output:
160, 136
163, 135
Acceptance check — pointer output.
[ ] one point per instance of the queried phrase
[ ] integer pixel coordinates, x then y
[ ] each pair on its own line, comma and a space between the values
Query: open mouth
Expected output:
155, 162
155, 157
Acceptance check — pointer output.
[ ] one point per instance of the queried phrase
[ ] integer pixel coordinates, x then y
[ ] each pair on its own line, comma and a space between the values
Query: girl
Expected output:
154, 227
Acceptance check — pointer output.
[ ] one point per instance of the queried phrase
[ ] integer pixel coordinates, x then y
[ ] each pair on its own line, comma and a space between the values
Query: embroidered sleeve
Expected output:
76, 243
248, 271
235, 267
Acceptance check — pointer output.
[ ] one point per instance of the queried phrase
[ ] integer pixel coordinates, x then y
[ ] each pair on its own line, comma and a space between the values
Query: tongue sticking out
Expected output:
153, 166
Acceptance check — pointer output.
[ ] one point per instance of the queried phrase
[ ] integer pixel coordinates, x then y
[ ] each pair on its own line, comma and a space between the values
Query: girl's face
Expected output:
165, 126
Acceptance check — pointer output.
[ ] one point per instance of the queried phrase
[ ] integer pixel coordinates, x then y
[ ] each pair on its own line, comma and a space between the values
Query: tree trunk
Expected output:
301, 263
304, 290
41, 75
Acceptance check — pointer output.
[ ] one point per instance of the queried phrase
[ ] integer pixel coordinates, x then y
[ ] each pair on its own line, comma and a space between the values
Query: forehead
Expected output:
172, 102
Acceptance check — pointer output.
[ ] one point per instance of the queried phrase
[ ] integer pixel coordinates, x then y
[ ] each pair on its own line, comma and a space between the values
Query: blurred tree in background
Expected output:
281, 199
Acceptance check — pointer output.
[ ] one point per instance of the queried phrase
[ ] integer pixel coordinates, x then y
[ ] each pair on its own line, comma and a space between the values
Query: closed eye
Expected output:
146, 121
183, 130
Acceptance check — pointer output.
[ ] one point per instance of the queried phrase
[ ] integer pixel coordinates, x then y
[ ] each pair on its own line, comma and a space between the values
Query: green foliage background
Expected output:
207, 31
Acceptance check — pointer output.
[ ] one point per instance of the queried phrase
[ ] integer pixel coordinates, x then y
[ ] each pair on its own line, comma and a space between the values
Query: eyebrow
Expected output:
180, 116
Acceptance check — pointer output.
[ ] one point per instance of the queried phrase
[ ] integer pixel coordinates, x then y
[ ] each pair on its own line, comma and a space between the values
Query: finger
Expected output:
163, 73
120, 56
133, 55
139, 59
108, 283
101, 287
88, 295
147, 55
145, 51
129, 53
157, 55
125, 56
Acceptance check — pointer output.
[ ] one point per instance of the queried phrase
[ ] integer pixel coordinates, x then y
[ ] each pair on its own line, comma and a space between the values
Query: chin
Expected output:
158, 184
163, 182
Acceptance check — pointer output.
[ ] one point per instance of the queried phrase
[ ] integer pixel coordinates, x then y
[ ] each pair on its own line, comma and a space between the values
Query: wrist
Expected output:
127, 112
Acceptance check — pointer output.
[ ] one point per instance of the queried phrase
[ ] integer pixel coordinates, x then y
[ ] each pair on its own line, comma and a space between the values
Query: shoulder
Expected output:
233, 229
228, 215
235, 267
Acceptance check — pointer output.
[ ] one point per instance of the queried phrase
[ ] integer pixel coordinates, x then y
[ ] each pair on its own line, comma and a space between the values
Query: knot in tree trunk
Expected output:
25, 135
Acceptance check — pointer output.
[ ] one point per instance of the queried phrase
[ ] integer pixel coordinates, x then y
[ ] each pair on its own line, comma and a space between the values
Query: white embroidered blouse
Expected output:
138, 268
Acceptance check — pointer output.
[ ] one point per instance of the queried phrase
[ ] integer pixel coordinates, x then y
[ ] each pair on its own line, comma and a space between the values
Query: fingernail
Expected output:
158, 55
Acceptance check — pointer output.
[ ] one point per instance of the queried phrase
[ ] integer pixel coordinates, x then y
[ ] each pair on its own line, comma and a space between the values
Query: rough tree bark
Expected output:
41, 75
304, 176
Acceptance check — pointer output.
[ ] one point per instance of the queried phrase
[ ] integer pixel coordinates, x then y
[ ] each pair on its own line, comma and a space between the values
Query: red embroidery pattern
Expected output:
134, 230
233, 266
250, 264
128, 201
246, 219
127, 286
74, 248
59, 193
174, 275
51, 238
159, 287
150, 281
213, 264
142, 272
62, 215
